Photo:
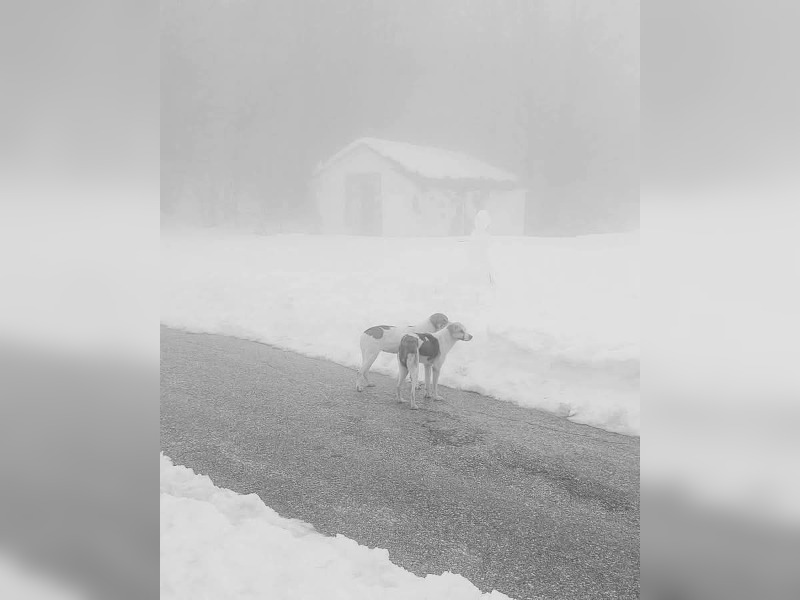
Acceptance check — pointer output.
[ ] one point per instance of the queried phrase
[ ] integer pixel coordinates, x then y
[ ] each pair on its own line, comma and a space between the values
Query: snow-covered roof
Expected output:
428, 162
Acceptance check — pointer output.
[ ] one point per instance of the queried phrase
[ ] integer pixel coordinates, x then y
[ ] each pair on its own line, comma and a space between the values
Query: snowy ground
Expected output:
219, 544
556, 330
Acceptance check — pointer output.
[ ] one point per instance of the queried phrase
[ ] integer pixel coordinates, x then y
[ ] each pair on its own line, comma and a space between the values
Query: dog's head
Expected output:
459, 332
439, 321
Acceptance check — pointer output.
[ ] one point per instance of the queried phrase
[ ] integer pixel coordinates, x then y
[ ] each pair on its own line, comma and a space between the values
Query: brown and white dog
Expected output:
430, 350
385, 338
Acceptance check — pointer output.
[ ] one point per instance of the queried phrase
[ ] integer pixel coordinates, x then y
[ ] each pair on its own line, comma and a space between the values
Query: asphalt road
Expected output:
512, 499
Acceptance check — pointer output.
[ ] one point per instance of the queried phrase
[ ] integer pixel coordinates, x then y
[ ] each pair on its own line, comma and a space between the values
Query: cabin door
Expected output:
363, 204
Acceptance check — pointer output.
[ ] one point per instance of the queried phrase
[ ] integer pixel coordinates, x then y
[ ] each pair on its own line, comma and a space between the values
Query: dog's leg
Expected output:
436, 395
420, 382
427, 381
414, 370
368, 357
401, 377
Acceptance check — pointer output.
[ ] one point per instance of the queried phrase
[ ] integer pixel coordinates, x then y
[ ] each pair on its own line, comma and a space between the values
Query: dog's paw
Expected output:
438, 397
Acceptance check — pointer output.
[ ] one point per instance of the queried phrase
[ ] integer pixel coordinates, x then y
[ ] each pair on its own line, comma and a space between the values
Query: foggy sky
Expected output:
254, 94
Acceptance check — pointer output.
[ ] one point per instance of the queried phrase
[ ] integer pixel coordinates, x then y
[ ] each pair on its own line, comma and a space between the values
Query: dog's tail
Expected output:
408, 353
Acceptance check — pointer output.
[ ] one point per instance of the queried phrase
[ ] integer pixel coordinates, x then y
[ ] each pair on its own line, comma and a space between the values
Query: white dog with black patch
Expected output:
386, 338
430, 350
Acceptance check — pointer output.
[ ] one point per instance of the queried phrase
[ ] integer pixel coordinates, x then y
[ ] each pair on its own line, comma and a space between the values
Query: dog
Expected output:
385, 338
408, 363
430, 350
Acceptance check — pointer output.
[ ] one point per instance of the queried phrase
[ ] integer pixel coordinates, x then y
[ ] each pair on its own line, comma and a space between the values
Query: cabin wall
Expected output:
409, 207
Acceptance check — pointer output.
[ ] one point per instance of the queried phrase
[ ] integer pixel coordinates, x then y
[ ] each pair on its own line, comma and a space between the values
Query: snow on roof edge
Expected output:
426, 161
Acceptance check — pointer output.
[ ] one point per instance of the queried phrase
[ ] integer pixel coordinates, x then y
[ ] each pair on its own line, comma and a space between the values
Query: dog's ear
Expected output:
438, 320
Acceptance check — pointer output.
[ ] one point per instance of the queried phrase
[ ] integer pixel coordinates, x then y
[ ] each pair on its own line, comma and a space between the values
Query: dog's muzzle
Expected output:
468, 338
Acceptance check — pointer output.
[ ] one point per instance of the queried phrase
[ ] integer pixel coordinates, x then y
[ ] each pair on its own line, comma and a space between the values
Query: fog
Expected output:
255, 94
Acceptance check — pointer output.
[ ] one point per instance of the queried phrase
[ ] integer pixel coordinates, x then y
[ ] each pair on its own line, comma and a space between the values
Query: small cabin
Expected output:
385, 188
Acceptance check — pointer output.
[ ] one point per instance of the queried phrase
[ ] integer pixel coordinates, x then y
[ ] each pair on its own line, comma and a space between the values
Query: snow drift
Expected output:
219, 544
555, 319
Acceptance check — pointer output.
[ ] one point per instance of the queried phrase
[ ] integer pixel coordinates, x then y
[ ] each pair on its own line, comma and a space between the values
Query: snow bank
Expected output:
557, 329
219, 544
